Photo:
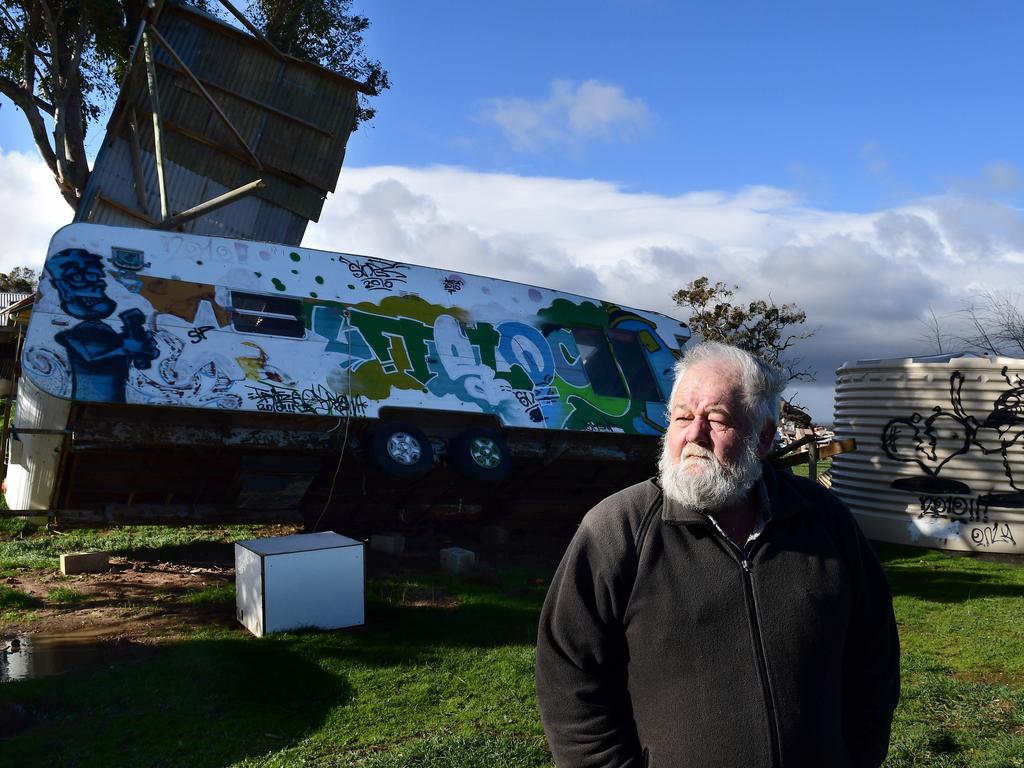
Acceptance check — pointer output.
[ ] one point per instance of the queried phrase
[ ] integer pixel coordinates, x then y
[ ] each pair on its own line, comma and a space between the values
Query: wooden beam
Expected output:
824, 452
101, 198
158, 150
136, 156
211, 205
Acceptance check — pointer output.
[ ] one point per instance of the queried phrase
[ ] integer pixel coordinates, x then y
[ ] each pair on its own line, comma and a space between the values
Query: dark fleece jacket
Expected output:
663, 644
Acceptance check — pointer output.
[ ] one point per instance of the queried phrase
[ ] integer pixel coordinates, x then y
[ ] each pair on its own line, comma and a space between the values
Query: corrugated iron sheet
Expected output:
295, 116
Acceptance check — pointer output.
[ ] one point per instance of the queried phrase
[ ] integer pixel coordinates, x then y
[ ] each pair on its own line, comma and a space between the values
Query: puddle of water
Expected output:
27, 657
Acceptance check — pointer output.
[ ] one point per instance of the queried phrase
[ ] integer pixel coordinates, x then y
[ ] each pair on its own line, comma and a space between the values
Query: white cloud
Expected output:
31, 210
569, 117
864, 279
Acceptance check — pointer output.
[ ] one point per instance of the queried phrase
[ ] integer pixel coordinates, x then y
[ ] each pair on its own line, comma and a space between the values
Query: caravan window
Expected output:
270, 315
631, 359
598, 362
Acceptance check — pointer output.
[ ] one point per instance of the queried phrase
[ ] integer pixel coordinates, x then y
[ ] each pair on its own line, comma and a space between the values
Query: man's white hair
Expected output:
761, 383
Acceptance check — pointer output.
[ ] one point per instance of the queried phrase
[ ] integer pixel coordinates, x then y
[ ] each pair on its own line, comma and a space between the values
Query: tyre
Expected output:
481, 454
401, 450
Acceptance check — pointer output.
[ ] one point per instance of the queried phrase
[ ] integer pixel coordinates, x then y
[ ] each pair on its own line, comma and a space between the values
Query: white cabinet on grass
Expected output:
305, 580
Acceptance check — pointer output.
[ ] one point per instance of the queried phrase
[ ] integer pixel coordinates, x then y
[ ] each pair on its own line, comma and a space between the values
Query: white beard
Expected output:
712, 486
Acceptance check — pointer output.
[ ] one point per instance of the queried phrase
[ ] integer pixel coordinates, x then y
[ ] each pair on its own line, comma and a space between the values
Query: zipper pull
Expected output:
746, 565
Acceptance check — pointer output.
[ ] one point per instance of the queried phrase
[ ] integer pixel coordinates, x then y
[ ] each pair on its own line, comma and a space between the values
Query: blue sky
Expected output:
860, 159
853, 105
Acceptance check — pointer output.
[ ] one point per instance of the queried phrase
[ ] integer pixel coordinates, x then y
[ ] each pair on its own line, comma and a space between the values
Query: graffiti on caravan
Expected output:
97, 354
317, 399
375, 274
198, 339
510, 367
932, 441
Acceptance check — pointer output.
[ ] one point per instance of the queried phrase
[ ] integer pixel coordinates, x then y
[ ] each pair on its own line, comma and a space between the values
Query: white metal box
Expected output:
305, 580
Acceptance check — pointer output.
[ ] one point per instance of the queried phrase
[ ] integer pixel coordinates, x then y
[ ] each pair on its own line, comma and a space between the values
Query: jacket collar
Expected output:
784, 500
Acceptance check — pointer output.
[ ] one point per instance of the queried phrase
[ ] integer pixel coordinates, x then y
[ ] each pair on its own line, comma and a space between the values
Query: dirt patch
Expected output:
990, 677
133, 600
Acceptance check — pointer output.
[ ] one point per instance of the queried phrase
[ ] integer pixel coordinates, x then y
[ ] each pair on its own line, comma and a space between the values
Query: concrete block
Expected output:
388, 543
84, 562
457, 560
493, 536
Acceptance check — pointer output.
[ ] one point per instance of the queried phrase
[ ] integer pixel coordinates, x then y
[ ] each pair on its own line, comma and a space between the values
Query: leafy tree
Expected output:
61, 60
19, 280
760, 326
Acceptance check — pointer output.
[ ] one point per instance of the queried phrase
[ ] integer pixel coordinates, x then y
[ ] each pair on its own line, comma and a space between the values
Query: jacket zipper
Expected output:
762, 664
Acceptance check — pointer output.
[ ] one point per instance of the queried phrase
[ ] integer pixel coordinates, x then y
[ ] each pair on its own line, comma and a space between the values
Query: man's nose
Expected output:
698, 431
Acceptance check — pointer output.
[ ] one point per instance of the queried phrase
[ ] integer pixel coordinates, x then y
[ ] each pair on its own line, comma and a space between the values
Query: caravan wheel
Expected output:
482, 454
401, 449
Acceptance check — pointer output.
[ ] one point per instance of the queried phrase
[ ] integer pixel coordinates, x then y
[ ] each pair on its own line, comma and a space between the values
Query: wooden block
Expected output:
84, 562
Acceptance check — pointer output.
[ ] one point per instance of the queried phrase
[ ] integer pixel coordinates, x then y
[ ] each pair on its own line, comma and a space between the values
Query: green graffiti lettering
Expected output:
399, 343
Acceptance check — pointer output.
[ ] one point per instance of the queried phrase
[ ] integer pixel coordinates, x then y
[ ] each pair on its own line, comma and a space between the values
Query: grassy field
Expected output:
442, 675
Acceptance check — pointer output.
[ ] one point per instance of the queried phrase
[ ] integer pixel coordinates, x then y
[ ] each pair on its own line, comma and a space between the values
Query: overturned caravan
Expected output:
173, 377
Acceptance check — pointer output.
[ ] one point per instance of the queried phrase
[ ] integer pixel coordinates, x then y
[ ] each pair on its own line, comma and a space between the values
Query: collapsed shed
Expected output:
216, 132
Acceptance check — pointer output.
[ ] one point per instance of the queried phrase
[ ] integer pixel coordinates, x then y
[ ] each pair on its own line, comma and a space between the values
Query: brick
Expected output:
457, 560
388, 543
84, 562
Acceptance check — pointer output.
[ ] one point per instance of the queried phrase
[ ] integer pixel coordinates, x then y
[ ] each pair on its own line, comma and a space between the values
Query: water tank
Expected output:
940, 450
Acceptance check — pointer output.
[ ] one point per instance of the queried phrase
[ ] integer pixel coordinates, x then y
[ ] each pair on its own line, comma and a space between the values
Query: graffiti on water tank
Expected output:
931, 441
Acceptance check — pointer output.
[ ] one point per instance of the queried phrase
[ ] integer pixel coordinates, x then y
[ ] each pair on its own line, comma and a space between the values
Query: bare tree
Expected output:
935, 333
995, 324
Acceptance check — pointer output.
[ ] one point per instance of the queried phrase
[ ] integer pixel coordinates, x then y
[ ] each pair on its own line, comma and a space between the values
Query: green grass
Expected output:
963, 660
15, 599
421, 685
43, 549
215, 594
442, 677
66, 595
802, 470
15, 606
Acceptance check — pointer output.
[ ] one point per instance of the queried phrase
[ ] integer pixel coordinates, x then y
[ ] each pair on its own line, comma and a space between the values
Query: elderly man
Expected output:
723, 614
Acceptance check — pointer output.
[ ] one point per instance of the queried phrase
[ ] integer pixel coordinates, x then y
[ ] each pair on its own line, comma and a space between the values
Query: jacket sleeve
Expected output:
581, 649
871, 666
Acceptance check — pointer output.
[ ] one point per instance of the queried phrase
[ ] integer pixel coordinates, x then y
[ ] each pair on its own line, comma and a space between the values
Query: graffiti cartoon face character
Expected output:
78, 277
99, 356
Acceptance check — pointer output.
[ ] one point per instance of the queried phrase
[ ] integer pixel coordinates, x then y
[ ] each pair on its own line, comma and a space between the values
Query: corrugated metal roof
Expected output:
294, 115
6, 299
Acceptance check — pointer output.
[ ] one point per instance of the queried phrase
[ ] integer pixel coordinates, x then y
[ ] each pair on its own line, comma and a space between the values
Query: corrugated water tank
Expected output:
940, 450
304, 580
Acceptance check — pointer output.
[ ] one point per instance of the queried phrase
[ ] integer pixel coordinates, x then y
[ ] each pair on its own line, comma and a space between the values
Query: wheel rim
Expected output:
485, 452
404, 448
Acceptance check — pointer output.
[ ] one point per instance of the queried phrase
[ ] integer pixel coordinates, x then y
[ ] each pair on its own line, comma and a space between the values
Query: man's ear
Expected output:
765, 439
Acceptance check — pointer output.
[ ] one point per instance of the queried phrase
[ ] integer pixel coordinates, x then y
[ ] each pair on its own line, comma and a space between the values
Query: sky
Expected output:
862, 160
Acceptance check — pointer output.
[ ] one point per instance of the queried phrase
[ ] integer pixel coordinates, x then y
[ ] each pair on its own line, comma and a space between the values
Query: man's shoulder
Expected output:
804, 496
623, 512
